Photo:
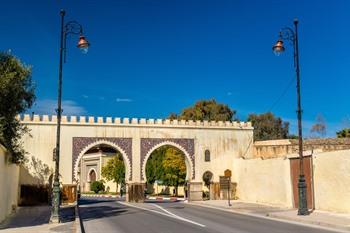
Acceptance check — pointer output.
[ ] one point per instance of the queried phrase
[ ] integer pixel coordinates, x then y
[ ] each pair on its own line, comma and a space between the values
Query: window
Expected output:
207, 156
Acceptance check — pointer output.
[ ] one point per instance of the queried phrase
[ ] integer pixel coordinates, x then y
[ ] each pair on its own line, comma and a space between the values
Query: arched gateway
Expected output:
136, 140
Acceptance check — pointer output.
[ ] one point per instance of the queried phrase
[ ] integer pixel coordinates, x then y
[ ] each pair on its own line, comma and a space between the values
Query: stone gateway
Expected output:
135, 140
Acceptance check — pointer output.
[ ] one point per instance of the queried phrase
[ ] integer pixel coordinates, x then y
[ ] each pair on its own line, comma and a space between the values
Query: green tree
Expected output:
206, 110
175, 168
154, 166
16, 95
114, 170
268, 127
207, 178
320, 126
344, 133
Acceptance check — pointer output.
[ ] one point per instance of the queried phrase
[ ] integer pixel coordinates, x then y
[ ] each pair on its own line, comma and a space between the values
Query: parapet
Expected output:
91, 120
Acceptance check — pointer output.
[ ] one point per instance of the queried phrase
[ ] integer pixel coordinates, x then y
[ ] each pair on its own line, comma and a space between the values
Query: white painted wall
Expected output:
9, 185
332, 181
264, 181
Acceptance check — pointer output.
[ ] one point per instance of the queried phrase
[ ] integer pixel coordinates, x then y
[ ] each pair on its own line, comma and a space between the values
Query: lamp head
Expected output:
83, 44
278, 48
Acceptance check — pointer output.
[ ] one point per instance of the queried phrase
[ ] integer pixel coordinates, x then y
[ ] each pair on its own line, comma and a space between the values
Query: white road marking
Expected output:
168, 213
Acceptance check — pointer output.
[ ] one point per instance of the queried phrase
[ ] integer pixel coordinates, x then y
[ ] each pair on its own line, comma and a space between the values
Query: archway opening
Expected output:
167, 171
92, 175
105, 164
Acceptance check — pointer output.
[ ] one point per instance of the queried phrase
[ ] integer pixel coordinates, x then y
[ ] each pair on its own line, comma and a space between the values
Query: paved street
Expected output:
106, 215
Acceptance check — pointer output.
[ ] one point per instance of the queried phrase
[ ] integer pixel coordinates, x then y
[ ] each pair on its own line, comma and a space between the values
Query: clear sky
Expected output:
152, 57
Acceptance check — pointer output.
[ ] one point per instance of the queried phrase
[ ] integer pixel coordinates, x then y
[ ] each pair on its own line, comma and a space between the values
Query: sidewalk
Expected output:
35, 219
319, 218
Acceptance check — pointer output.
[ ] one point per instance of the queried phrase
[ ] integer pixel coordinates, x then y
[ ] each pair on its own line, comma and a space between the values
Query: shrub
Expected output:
97, 186
206, 195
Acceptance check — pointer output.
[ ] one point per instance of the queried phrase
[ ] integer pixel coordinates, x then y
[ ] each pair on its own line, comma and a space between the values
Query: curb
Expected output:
79, 228
166, 198
100, 195
270, 217
313, 222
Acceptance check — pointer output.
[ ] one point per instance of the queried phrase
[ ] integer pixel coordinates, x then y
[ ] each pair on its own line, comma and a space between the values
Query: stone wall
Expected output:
280, 148
332, 181
269, 180
224, 140
9, 185
264, 181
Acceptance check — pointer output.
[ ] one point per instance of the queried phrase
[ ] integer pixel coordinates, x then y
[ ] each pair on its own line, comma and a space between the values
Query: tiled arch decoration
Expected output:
148, 143
80, 143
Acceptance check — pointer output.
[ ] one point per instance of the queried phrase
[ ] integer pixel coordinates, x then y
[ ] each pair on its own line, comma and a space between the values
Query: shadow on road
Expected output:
88, 201
90, 209
36, 215
95, 208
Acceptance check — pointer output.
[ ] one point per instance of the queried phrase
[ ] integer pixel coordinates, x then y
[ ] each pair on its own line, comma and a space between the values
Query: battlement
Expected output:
91, 120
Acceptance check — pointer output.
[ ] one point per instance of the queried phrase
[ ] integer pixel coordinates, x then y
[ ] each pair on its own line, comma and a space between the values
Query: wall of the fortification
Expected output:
225, 140
269, 181
332, 181
264, 181
280, 148
9, 176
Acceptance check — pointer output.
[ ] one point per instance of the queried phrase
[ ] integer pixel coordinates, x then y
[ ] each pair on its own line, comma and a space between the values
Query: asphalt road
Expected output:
106, 215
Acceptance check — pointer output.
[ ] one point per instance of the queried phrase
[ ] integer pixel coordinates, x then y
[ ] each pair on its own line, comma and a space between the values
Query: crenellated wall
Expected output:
26, 118
280, 148
136, 138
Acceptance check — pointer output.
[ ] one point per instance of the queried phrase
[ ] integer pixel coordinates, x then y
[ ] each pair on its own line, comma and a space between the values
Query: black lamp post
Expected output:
292, 35
71, 27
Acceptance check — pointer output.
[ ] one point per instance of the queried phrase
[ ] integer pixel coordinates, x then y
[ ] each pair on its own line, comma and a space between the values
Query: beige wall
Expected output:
9, 176
280, 148
332, 181
268, 181
264, 181
225, 140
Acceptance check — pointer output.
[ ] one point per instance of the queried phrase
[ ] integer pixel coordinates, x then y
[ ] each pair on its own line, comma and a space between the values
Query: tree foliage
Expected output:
268, 127
154, 166
207, 178
16, 95
174, 168
206, 110
114, 170
166, 164
344, 133
97, 186
320, 126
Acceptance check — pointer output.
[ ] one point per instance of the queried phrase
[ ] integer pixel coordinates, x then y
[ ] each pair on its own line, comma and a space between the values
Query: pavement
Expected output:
108, 215
317, 218
35, 219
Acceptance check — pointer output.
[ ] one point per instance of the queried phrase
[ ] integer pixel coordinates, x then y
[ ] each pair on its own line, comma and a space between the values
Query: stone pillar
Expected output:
195, 191
87, 187
135, 192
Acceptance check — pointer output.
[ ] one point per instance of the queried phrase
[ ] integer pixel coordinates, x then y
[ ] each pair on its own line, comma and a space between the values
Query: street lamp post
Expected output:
292, 35
71, 27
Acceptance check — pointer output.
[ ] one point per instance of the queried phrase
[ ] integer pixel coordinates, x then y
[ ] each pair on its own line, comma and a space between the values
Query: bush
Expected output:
97, 186
206, 195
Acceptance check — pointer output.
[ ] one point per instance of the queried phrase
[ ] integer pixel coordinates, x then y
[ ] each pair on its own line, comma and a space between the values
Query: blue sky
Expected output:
152, 57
